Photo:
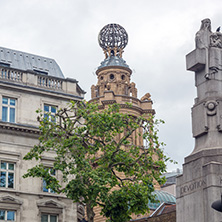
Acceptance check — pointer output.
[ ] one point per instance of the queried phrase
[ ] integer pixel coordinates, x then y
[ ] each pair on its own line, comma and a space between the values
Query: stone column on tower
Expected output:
201, 182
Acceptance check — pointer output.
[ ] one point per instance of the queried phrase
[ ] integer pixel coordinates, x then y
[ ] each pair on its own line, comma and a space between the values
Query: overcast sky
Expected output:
160, 34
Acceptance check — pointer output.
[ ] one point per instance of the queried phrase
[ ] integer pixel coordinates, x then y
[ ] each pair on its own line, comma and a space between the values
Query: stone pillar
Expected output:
201, 182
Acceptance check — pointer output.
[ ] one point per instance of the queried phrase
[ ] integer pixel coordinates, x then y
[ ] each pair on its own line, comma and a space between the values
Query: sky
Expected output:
160, 34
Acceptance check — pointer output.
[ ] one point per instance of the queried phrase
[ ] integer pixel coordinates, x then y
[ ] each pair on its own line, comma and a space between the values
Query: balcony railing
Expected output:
11, 74
37, 80
49, 82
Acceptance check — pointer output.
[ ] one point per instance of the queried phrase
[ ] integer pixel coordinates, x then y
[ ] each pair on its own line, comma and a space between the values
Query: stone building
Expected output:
114, 82
29, 82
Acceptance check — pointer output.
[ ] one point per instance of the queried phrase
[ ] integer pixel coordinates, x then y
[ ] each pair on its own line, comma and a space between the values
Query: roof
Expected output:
26, 62
173, 173
162, 197
113, 61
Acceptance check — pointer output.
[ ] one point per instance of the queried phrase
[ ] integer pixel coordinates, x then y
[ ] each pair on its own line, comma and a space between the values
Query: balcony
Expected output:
43, 81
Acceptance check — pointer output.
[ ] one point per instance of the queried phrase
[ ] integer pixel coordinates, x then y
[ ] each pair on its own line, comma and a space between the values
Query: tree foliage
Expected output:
98, 163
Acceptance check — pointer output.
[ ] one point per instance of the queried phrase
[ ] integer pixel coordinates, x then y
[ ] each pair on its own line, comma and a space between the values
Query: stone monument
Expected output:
201, 182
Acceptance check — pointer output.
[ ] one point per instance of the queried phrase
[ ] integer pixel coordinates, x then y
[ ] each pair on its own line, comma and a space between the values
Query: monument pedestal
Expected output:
199, 186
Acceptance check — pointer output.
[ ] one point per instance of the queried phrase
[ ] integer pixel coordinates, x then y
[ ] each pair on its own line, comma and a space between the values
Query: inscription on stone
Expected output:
193, 186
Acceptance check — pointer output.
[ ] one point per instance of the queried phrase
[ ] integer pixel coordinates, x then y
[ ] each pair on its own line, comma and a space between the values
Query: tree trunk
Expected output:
90, 213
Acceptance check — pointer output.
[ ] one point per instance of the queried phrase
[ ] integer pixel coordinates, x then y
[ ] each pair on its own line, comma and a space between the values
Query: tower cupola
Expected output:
113, 38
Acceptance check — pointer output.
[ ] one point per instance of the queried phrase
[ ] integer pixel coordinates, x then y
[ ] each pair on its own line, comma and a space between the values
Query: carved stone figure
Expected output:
215, 40
146, 97
203, 35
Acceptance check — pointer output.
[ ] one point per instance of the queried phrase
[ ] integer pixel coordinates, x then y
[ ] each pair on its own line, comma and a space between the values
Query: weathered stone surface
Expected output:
201, 182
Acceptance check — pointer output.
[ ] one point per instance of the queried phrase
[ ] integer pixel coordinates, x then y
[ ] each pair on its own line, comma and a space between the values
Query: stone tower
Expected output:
114, 84
201, 182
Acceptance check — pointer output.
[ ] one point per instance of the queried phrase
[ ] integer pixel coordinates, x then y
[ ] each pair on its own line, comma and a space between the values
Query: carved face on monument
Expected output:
206, 24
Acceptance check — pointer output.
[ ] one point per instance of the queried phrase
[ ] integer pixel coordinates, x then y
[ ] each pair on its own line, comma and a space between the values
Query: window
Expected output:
52, 173
8, 109
48, 218
7, 172
7, 215
49, 112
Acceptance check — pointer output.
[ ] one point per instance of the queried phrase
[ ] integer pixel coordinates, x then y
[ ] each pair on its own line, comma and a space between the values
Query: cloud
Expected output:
160, 35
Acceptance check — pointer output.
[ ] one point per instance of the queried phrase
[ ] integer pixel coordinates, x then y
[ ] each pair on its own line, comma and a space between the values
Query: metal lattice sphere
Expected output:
113, 36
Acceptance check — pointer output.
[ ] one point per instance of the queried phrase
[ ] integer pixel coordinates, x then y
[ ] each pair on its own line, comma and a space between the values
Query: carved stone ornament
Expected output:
203, 35
211, 107
216, 40
8, 199
50, 203
146, 97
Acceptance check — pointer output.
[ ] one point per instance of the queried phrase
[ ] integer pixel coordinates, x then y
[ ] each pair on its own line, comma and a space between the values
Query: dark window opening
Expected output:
111, 76
4, 64
40, 72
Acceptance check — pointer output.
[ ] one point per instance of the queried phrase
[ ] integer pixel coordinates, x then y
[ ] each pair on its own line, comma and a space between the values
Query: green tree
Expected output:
99, 165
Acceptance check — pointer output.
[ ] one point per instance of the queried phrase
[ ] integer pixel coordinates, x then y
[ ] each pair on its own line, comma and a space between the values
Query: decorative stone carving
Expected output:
8, 199
133, 89
211, 107
50, 203
215, 40
203, 35
146, 97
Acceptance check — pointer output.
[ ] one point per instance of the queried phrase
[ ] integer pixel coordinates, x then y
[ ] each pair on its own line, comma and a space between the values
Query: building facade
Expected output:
27, 83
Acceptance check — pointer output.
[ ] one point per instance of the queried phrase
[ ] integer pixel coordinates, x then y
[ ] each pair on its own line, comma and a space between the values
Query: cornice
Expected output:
113, 67
15, 127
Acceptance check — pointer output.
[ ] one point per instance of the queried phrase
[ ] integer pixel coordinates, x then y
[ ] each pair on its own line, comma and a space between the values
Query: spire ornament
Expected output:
113, 38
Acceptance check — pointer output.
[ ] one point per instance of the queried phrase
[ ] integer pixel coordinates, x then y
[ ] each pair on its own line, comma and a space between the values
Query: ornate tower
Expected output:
201, 182
114, 84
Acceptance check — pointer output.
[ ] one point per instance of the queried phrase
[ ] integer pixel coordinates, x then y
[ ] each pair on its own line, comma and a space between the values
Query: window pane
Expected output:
11, 215
44, 218
10, 180
53, 109
3, 165
12, 102
11, 166
46, 116
52, 218
44, 187
2, 214
5, 100
4, 113
12, 115
3, 179
46, 108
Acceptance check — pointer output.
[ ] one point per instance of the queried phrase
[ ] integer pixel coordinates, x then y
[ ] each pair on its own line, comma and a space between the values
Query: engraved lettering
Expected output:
193, 186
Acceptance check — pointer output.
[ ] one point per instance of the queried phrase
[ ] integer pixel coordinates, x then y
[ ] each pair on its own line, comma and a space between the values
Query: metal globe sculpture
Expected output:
113, 38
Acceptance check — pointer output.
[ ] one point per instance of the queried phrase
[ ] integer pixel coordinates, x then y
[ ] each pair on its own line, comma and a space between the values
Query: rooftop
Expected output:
113, 61
162, 197
25, 61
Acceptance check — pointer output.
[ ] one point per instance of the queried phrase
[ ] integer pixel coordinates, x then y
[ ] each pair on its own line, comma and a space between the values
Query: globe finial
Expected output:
113, 38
